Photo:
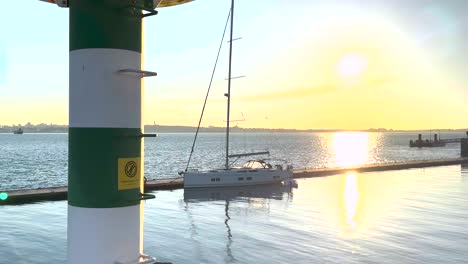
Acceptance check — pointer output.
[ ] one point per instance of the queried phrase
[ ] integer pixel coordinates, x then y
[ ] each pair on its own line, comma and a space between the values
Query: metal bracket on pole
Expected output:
140, 73
149, 135
147, 196
139, 135
61, 3
145, 259
151, 12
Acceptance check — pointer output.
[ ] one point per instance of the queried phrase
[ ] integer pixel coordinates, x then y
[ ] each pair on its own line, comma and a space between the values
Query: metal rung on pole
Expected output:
141, 73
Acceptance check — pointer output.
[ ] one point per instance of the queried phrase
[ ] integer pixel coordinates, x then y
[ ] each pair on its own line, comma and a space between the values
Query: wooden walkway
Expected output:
60, 193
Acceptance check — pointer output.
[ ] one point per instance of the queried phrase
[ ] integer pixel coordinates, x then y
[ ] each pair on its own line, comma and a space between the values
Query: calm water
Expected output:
40, 160
408, 216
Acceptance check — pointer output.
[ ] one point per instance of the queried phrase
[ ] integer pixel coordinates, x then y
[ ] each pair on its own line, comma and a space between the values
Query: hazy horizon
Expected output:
270, 128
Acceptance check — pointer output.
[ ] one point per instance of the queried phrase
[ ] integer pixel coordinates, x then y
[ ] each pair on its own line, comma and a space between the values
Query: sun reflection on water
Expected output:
357, 206
351, 201
351, 148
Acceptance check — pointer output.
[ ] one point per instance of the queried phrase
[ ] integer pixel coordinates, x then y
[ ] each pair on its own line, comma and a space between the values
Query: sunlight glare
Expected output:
351, 201
352, 65
351, 69
351, 148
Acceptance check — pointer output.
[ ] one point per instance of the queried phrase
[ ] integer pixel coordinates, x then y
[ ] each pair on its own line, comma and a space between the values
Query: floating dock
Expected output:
437, 142
60, 193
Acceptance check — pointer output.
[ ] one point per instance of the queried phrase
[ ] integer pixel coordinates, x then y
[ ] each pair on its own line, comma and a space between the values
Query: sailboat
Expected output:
253, 172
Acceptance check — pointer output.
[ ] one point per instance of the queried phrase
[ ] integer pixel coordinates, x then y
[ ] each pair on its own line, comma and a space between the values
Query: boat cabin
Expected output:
256, 164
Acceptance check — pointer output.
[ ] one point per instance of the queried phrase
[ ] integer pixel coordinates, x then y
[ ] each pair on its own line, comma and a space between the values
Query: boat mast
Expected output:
229, 86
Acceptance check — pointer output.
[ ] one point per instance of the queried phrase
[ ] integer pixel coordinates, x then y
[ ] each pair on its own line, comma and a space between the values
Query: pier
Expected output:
61, 193
436, 142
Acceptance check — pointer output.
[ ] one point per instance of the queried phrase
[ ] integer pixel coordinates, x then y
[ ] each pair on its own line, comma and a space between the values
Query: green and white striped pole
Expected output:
105, 215
105, 179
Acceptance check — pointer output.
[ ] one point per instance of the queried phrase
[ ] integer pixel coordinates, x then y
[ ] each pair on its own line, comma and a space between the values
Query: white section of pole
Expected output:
100, 95
104, 235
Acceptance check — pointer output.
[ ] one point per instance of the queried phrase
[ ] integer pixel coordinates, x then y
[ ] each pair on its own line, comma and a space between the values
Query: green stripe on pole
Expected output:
94, 154
105, 24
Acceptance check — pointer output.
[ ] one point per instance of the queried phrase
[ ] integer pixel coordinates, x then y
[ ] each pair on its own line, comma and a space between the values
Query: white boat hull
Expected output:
234, 177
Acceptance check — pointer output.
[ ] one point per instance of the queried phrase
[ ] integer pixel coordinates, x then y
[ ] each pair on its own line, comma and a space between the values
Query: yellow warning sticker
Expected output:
129, 173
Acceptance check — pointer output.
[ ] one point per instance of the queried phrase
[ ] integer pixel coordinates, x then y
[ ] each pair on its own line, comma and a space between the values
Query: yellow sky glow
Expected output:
349, 69
357, 73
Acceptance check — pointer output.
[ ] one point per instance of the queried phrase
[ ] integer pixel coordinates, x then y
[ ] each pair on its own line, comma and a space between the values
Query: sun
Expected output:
352, 65
351, 70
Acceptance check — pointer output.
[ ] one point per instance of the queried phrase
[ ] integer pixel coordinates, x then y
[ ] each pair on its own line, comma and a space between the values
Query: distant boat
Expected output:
420, 143
18, 131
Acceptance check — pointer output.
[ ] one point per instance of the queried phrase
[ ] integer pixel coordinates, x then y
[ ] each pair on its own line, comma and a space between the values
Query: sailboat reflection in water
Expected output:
236, 197
253, 172
272, 191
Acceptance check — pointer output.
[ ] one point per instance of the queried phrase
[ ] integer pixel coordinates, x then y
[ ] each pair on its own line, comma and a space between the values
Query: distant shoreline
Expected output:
44, 128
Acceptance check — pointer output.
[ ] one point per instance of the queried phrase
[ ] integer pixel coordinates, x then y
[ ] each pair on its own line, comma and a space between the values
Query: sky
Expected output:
334, 64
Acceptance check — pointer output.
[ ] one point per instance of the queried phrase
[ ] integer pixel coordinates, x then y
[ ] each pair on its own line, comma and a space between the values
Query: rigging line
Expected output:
208, 92
232, 163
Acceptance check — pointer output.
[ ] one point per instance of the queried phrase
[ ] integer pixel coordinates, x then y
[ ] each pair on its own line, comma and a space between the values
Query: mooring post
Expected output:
105, 149
105, 179
464, 147
105, 215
